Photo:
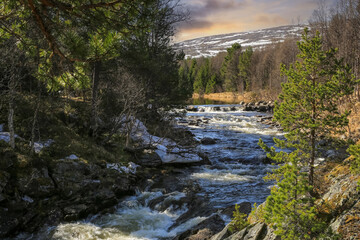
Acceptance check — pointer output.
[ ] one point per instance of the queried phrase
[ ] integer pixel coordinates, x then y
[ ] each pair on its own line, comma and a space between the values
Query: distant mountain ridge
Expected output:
211, 45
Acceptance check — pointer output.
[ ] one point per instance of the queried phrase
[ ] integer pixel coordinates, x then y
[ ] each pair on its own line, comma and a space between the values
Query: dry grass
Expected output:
233, 97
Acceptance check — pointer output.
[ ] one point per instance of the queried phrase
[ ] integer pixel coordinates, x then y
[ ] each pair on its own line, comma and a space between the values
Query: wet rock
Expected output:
226, 159
182, 121
76, 212
263, 108
191, 108
203, 230
197, 207
193, 123
207, 141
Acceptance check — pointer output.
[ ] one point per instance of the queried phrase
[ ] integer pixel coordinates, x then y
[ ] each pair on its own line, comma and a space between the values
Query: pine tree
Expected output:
308, 107
307, 111
289, 210
202, 77
229, 68
244, 68
210, 85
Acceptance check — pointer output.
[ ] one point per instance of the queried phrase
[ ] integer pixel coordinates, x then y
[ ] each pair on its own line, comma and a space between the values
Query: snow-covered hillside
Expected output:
212, 45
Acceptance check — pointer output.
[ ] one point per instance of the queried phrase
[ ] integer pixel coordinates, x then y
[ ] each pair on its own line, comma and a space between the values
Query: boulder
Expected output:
76, 212
207, 141
263, 108
203, 230
225, 233
255, 232
191, 108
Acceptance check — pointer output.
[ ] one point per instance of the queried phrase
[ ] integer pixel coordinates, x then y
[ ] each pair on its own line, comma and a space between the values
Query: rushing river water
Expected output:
235, 176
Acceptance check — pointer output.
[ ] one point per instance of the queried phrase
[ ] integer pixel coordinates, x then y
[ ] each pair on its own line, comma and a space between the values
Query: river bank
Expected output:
235, 98
182, 186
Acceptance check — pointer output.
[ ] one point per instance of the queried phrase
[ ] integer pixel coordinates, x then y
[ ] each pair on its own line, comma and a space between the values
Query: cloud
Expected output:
195, 24
210, 17
270, 18
207, 7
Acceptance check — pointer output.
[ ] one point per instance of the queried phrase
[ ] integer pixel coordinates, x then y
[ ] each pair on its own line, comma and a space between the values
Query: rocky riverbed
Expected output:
171, 190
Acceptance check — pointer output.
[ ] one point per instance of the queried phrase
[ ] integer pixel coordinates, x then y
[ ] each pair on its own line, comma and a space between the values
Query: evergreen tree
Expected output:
244, 68
210, 85
308, 107
308, 110
202, 77
229, 68
289, 210
185, 85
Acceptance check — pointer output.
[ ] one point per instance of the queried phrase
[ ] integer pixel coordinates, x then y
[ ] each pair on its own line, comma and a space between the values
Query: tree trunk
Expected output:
33, 128
312, 159
11, 112
94, 100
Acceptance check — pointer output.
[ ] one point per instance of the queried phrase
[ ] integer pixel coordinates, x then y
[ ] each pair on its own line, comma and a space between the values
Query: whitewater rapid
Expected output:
234, 176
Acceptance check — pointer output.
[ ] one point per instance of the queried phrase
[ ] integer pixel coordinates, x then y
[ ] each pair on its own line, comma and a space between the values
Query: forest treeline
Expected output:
243, 69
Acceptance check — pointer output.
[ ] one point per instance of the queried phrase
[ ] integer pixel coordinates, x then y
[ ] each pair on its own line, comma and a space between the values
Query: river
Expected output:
234, 176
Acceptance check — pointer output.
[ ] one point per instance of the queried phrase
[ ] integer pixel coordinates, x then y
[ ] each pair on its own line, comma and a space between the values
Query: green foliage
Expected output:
257, 213
202, 76
229, 68
244, 68
71, 31
354, 150
210, 85
307, 111
239, 221
289, 210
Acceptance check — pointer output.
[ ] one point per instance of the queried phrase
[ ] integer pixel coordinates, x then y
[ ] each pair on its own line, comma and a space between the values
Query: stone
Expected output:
239, 235
75, 212
255, 232
191, 109
263, 108
225, 233
203, 230
207, 141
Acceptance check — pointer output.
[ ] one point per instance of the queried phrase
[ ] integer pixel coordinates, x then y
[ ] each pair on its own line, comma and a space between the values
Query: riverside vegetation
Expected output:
76, 79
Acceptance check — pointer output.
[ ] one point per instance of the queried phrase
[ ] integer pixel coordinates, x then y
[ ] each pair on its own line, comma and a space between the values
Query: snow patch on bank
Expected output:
131, 168
167, 149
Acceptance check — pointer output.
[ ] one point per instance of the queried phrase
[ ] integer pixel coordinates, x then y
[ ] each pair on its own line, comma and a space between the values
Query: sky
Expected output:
211, 17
